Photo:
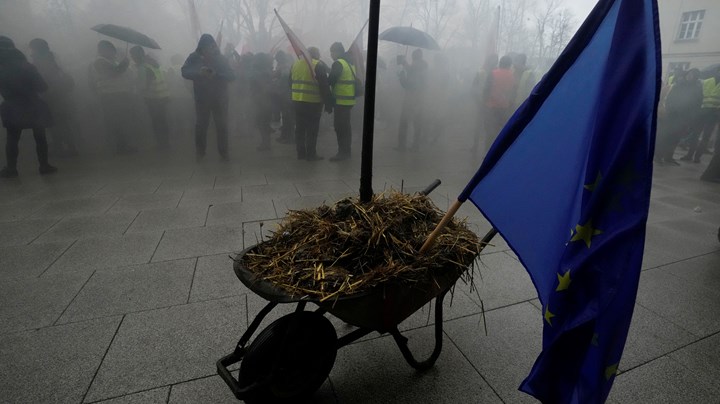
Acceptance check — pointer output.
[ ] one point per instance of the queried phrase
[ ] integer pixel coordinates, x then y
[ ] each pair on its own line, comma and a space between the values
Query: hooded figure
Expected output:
210, 73
22, 108
58, 97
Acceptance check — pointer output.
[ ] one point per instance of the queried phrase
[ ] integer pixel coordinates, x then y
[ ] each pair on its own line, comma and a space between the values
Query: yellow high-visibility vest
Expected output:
304, 87
344, 89
158, 88
711, 93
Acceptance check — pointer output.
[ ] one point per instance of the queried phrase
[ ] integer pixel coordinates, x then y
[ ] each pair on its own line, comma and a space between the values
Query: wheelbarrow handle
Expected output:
238, 391
430, 187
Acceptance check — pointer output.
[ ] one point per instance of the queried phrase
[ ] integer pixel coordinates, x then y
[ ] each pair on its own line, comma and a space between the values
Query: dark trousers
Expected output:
117, 109
343, 128
672, 129
709, 119
307, 126
11, 147
263, 119
218, 108
157, 108
288, 119
411, 113
495, 120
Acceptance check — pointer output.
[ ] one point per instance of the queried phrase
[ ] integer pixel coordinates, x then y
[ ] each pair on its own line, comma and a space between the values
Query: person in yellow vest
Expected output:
309, 94
712, 102
342, 82
110, 81
709, 118
154, 89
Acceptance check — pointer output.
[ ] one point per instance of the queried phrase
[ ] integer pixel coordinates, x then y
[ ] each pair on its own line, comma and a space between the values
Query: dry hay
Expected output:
351, 247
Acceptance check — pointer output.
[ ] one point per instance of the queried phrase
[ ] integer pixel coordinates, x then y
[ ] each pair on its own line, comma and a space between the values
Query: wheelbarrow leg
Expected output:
401, 340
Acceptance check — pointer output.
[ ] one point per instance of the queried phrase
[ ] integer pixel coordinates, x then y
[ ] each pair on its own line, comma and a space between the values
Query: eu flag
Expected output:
567, 184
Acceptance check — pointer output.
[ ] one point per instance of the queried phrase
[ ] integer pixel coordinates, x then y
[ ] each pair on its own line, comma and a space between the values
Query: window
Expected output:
690, 24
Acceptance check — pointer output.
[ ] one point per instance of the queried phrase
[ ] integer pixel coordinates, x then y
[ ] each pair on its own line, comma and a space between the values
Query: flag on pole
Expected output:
194, 20
300, 49
356, 51
567, 183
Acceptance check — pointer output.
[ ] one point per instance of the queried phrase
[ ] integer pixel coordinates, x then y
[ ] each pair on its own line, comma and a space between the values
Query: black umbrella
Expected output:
126, 34
409, 36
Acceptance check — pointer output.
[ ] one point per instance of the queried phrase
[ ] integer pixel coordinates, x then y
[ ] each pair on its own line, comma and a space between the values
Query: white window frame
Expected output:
690, 24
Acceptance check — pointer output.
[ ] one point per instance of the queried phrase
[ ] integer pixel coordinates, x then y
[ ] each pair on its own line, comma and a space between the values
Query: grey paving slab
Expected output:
505, 356
215, 279
140, 186
107, 252
75, 228
186, 341
140, 202
29, 261
307, 188
680, 244
94, 206
662, 381
256, 232
206, 197
36, 302
19, 210
66, 191
236, 213
154, 396
168, 218
186, 184
54, 364
684, 302
23, 231
198, 241
375, 371
245, 178
501, 280
701, 270
143, 287
702, 358
650, 337
267, 193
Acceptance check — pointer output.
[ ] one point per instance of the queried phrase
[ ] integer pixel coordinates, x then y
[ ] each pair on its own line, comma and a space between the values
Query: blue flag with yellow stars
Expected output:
567, 184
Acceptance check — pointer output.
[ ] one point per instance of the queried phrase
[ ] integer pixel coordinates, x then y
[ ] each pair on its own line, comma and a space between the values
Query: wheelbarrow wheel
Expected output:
290, 359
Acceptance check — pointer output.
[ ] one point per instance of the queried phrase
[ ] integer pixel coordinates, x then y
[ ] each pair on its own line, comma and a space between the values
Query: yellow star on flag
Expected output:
585, 233
595, 339
611, 371
548, 316
591, 187
563, 281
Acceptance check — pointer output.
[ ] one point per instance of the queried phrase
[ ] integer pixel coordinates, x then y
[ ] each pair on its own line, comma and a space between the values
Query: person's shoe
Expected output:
8, 173
672, 162
314, 158
339, 157
47, 169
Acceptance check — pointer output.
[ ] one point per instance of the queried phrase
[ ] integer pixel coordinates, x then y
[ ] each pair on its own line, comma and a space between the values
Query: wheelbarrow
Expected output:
291, 358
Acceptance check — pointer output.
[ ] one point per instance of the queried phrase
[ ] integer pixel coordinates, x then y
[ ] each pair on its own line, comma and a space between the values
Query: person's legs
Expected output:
41, 147
11, 153
288, 122
343, 131
301, 125
313, 128
157, 108
202, 120
403, 127
220, 117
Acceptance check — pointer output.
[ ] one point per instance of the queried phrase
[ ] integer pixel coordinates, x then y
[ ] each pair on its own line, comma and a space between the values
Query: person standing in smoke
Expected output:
413, 79
284, 97
479, 83
498, 96
154, 90
109, 80
58, 98
260, 82
308, 95
22, 108
210, 73
342, 82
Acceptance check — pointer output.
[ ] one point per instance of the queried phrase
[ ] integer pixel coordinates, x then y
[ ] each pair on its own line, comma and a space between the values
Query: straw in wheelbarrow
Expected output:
351, 247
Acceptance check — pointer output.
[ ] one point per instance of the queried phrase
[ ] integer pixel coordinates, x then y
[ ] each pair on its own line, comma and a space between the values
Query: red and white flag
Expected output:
356, 51
300, 49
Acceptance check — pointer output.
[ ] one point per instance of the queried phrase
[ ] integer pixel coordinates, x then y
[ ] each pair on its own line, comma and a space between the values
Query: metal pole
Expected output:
366, 191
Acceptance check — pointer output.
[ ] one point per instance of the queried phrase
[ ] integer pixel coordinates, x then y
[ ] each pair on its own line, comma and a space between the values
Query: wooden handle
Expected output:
445, 220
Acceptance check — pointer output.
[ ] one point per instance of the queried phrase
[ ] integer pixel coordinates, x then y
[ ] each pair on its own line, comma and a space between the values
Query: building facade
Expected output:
690, 33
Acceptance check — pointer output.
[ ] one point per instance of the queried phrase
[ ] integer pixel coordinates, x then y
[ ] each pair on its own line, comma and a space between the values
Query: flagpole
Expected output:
366, 191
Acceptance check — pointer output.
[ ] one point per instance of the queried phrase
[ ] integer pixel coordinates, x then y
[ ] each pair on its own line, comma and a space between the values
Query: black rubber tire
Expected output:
291, 358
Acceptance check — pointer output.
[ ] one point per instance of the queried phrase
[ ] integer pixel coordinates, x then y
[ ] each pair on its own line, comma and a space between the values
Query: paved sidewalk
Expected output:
117, 286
